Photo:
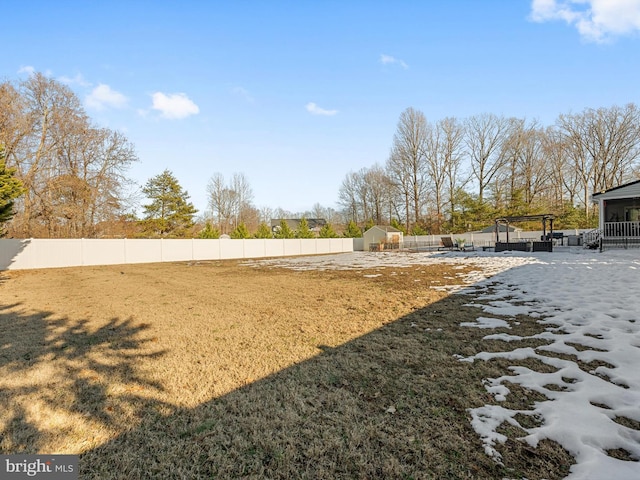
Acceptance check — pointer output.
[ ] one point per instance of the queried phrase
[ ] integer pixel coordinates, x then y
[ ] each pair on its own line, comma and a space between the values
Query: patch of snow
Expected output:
505, 337
487, 322
590, 305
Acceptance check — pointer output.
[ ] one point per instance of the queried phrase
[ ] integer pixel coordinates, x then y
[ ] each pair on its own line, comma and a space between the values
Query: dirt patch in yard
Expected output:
223, 370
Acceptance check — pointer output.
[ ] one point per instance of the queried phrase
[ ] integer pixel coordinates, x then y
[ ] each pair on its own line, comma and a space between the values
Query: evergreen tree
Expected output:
285, 231
353, 230
396, 224
10, 189
474, 213
303, 229
209, 232
263, 231
368, 224
241, 231
170, 213
327, 231
419, 230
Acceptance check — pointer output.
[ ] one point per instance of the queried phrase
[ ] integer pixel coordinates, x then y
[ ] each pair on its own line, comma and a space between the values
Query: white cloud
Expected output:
174, 105
28, 69
389, 60
103, 97
314, 109
595, 20
77, 80
241, 92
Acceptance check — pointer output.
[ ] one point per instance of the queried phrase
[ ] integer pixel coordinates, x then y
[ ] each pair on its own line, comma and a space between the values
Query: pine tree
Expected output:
170, 213
303, 229
10, 189
396, 224
368, 224
327, 231
209, 232
241, 231
419, 230
353, 230
263, 231
285, 231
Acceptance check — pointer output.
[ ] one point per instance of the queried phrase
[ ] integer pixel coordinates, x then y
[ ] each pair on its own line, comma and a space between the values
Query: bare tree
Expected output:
74, 173
266, 214
231, 204
406, 165
533, 171
348, 197
318, 211
362, 193
485, 135
221, 202
451, 147
524, 174
378, 190
436, 159
243, 197
564, 181
603, 146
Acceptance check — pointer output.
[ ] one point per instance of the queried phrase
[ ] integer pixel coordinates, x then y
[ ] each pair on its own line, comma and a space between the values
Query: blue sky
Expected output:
295, 94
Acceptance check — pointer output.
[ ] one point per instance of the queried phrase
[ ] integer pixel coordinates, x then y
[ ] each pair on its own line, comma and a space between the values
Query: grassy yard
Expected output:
221, 370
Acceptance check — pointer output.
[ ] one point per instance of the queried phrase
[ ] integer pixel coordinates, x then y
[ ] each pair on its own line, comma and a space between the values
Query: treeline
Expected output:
456, 175
73, 172
170, 213
63, 176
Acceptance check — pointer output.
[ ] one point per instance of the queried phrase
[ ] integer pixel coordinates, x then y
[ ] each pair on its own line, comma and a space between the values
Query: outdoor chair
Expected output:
447, 243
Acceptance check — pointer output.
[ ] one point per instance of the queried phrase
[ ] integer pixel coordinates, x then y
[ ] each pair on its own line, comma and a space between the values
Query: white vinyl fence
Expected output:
48, 253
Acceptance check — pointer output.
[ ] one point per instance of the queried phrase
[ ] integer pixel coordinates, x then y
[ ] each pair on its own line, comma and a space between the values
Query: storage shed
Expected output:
389, 237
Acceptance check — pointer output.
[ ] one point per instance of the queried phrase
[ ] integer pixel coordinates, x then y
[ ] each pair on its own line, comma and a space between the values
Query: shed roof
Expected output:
386, 228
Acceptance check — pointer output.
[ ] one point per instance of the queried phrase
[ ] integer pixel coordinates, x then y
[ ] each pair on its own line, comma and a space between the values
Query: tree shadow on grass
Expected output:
389, 404
60, 378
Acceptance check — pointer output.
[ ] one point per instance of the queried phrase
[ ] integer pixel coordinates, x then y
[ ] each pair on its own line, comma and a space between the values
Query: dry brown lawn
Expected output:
221, 370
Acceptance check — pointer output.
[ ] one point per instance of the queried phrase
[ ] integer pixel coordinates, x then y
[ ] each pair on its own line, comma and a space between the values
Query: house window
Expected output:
632, 214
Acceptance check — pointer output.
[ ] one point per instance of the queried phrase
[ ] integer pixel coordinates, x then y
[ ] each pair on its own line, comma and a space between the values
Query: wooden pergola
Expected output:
544, 245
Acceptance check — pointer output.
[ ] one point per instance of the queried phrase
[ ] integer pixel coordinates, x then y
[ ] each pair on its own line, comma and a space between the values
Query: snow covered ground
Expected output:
589, 303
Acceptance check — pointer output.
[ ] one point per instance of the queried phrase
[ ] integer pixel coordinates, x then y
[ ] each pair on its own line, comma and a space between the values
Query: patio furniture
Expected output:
447, 243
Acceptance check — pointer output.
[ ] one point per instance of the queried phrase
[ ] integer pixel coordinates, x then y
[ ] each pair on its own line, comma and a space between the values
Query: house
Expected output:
315, 224
619, 217
388, 237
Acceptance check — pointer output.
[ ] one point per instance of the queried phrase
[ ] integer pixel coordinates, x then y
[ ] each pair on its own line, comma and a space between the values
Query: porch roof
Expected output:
626, 190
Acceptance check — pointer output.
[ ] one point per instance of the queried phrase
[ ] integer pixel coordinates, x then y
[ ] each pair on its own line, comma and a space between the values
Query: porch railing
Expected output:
591, 238
621, 229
